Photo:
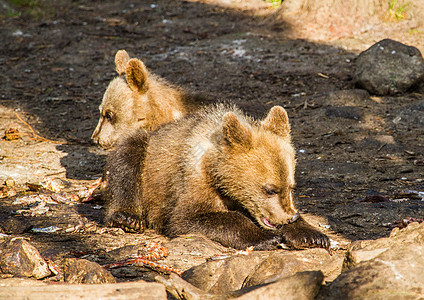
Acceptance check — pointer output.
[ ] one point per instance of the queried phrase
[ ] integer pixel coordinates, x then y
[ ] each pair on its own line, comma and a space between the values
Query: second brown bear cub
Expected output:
139, 99
217, 173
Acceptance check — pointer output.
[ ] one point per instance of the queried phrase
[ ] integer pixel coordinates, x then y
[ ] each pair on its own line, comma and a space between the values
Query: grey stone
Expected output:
286, 263
271, 269
257, 268
389, 67
364, 250
20, 258
224, 275
302, 285
84, 271
181, 289
408, 116
388, 268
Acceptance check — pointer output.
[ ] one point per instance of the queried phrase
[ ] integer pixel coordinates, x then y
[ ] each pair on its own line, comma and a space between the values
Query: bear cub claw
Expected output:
127, 222
301, 235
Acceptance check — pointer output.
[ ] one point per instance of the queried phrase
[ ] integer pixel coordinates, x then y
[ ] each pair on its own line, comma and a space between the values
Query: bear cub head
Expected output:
254, 168
135, 99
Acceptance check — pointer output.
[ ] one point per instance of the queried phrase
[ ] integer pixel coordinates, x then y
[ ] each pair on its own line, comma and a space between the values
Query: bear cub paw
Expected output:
127, 222
301, 235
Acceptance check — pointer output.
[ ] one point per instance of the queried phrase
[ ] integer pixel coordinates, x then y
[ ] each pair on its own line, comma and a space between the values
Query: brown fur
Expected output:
139, 99
217, 173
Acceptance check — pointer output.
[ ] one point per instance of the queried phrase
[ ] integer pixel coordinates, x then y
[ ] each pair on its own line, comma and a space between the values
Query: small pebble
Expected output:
46, 229
10, 182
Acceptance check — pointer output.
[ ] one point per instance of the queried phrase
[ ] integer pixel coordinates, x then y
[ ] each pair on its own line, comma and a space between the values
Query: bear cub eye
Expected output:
270, 190
110, 116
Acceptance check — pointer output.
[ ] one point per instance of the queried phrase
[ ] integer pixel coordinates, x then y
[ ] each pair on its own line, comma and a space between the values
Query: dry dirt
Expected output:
56, 60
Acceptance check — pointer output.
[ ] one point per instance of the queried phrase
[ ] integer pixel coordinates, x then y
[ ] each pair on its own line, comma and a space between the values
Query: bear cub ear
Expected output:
277, 121
137, 75
121, 61
235, 133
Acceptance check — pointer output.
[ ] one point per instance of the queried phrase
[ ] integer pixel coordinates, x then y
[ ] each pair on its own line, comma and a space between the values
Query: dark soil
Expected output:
57, 59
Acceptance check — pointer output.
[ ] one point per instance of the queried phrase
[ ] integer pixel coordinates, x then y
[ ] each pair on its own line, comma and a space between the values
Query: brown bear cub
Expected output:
216, 173
139, 99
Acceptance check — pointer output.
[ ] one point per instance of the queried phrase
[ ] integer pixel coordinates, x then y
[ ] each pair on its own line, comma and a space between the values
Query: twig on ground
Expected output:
147, 258
36, 136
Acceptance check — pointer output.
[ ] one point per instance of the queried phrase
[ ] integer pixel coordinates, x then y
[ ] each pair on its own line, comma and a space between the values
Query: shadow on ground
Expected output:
55, 68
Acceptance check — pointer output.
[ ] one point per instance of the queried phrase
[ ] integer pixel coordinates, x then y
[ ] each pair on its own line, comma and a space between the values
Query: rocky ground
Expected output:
360, 156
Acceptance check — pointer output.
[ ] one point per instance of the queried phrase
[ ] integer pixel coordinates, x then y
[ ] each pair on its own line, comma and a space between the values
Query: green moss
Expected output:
397, 10
38, 9
274, 3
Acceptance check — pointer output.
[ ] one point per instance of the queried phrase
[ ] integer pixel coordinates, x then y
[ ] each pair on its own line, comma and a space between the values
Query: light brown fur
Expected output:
138, 99
217, 173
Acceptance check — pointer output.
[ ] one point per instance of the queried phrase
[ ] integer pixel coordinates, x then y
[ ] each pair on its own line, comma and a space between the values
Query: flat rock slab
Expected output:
192, 250
245, 271
389, 67
130, 290
302, 285
21, 282
183, 253
223, 276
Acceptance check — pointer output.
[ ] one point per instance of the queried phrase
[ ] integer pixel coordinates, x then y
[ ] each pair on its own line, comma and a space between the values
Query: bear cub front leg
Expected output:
124, 168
